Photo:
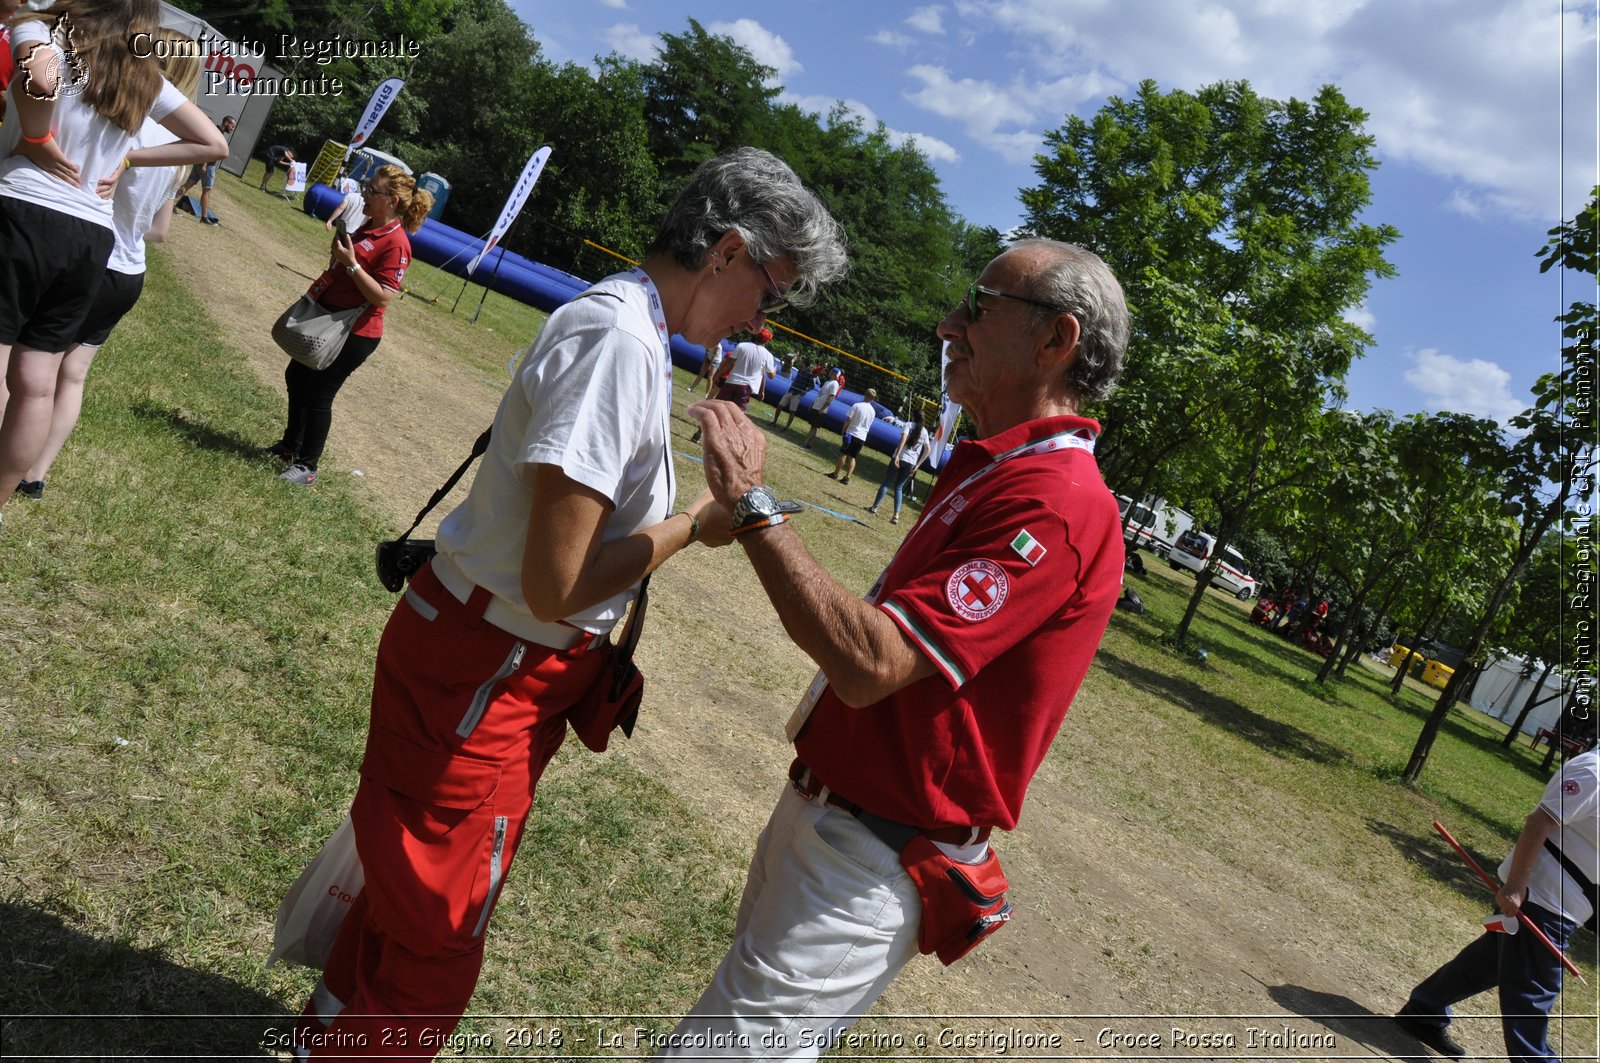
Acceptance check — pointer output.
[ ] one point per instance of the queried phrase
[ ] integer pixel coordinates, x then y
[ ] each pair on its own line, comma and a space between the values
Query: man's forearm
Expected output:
863, 653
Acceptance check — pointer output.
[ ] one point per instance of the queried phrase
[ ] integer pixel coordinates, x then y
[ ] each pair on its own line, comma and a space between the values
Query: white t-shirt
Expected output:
87, 139
751, 362
354, 215
859, 421
824, 398
141, 192
1572, 797
592, 396
912, 452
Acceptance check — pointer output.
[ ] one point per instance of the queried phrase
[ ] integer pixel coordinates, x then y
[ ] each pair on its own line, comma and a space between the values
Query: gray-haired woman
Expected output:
489, 648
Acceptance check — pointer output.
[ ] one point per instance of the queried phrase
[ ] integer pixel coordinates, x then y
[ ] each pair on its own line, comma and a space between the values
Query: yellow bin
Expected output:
1398, 654
1437, 675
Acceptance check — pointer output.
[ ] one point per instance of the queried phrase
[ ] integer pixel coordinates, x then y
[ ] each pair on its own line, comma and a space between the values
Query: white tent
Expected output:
1503, 688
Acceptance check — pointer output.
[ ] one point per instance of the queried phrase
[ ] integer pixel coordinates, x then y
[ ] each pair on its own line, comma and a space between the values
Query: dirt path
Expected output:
1112, 920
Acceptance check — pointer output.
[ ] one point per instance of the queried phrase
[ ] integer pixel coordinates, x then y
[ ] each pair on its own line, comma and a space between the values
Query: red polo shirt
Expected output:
1006, 584
384, 254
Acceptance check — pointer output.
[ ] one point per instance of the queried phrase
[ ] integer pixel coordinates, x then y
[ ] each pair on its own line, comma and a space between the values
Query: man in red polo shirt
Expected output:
940, 693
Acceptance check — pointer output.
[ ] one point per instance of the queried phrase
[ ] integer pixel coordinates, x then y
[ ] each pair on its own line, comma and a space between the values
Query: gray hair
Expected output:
756, 194
1078, 280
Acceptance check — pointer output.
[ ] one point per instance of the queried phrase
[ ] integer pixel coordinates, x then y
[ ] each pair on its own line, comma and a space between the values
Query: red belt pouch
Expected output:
613, 699
961, 903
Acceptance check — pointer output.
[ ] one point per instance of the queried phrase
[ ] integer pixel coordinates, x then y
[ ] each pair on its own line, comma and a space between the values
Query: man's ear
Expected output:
1059, 346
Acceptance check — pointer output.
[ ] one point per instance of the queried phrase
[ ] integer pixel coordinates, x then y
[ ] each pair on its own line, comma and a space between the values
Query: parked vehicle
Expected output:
1230, 572
1154, 526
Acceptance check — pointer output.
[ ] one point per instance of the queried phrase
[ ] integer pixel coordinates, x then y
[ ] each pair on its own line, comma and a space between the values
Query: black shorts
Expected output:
851, 446
118, 292
50, 266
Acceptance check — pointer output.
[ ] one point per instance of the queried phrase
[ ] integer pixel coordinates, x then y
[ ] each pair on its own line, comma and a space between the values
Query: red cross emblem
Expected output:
977, 590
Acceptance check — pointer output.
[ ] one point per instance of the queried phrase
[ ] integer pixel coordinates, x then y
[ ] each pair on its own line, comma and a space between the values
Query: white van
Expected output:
1230, 572
1155, 526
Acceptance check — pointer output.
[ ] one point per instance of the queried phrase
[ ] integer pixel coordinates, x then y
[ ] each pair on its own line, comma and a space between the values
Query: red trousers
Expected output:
464, 719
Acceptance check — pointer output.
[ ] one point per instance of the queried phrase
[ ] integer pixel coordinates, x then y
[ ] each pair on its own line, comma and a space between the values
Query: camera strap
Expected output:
478, 449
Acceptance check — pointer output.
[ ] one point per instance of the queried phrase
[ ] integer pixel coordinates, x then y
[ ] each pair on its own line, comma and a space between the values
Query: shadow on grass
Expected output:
1349, 1021
68, 995
1433, 855
1271, 735
199, 433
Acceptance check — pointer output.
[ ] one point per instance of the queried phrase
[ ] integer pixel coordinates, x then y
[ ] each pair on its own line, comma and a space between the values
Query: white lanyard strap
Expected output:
1060, 443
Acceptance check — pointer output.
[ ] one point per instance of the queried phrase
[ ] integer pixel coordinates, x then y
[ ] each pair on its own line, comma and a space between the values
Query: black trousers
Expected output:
311, 393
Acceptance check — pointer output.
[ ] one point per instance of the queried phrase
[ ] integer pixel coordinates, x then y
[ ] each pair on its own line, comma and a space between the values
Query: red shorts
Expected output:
736, 393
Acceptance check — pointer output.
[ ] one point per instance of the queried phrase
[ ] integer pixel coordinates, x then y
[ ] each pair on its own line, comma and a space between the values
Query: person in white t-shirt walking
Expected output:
819, 406
1549, 877
856, 426
914, 446
753, 366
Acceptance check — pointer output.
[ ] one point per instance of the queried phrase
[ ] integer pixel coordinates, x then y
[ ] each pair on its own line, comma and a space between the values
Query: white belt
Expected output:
503, 615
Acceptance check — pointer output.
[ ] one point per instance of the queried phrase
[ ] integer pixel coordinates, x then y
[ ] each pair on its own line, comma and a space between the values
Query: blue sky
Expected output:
1484, 113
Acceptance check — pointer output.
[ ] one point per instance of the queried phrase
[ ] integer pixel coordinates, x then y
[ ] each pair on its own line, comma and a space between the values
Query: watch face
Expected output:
756, 500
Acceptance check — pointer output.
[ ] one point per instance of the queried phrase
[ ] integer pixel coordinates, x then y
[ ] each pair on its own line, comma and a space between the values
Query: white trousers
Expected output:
828, 919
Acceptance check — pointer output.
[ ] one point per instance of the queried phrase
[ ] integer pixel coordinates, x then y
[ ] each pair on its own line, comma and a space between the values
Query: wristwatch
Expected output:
353, 269
760, 508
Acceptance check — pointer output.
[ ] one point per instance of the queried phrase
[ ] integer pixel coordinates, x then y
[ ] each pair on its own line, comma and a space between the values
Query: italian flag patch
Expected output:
1028, 548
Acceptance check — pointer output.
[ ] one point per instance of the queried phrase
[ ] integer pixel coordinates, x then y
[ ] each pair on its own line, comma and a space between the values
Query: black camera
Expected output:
399, 559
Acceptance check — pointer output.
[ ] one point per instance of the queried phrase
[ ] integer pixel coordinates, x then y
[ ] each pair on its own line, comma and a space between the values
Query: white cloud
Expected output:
1361, 318
931, 146
629, 40
927, 20
1473, 386
617, 5
980, 106
767, 47
1465, 203
1479, 92
891, 39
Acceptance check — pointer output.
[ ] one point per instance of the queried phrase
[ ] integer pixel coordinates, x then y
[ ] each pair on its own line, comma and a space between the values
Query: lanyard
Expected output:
657, 313
1059, 443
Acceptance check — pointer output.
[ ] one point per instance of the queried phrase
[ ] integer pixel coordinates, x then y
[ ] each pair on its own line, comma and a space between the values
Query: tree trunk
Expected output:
1411, 649
1532, 702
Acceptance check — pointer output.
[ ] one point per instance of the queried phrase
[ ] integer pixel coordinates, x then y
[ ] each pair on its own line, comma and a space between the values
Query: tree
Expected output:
1231, 220
1393, 487
1546, 628
1554, 455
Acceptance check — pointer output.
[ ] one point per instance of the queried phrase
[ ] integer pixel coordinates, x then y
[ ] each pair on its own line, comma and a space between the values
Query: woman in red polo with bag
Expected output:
367, 266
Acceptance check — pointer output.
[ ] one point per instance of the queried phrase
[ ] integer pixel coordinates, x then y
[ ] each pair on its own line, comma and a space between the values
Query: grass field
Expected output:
188, 649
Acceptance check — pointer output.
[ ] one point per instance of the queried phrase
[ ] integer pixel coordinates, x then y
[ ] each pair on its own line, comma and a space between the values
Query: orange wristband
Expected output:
47, 138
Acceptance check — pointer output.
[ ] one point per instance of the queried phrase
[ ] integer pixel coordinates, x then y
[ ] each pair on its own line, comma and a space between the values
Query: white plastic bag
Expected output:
315, 906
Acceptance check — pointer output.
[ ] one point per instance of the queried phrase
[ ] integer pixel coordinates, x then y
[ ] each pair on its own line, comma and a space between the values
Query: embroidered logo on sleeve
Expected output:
1028, 548
1571, 788
977, 590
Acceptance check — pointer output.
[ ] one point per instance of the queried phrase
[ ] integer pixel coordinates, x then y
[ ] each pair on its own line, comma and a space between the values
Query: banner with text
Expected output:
514, 202
377, 107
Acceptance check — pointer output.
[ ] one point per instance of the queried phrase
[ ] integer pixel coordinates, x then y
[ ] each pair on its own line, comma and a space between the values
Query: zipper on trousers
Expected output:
480, 699
496, 870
